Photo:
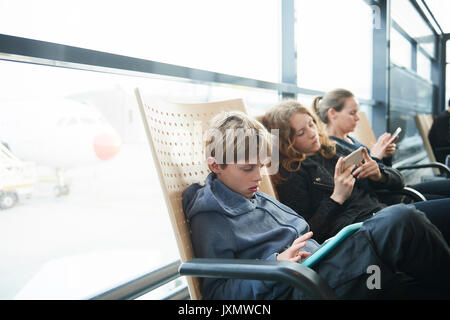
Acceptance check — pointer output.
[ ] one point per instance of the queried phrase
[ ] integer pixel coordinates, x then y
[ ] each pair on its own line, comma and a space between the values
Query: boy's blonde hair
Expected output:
234, 137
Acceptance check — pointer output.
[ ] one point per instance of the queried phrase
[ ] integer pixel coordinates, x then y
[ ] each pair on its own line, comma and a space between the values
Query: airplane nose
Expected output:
106, 145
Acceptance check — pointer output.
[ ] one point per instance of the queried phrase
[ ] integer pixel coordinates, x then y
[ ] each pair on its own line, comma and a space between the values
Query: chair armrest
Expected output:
413, 193
295, 274
407, 191
442, 167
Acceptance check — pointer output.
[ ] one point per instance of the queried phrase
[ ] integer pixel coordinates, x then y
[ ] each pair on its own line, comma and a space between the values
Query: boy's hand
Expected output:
293, 253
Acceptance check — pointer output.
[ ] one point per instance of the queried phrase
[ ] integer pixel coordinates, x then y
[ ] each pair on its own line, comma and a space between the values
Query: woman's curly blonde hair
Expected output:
279, 117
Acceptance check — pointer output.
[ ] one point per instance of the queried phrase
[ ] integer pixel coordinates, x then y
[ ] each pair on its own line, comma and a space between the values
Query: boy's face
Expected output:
241, 178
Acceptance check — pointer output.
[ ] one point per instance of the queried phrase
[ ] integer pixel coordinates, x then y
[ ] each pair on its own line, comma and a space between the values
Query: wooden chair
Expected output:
424, 123
175, 135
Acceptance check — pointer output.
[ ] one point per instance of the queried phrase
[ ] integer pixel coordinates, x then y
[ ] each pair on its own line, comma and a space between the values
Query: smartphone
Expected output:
353, 158
395, 134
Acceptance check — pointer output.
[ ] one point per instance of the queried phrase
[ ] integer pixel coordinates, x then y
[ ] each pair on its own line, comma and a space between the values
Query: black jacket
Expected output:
439, 136
308, 190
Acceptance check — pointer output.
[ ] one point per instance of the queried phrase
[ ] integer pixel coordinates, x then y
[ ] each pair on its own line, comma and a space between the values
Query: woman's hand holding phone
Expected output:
385, 146
369, 169
343, 182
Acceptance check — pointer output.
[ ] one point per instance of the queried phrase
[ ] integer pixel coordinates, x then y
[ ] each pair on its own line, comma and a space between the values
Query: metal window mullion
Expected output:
439, 74
288, 49
424, 17
414, 56
381, 70
52, 54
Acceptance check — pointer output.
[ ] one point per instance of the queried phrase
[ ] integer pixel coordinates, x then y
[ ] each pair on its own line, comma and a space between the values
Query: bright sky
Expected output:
233, 36
440, 10
223, 36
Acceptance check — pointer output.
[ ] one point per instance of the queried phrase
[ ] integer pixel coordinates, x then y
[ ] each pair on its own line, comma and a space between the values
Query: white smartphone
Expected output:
395, 134
353, 158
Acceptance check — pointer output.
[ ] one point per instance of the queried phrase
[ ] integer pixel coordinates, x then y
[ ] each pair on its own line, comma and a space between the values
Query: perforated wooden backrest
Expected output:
271, 188
424, 123
175, 135
363, 131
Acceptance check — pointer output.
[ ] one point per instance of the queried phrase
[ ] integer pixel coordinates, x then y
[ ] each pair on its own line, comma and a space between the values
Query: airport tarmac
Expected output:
111, 227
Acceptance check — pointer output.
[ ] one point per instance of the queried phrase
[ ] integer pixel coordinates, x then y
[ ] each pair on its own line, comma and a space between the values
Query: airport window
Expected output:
401, 50
220, 36
92, 224
448, 51
447, 81
403, 12
91, 214
331, 51
409, 95
423, 65
447, 74
306, 100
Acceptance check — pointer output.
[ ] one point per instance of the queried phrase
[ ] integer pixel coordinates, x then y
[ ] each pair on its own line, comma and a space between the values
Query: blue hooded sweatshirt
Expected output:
224, 224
